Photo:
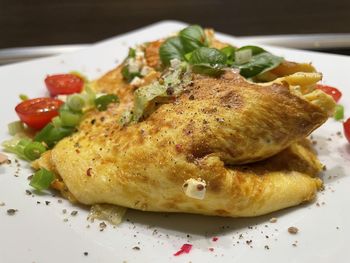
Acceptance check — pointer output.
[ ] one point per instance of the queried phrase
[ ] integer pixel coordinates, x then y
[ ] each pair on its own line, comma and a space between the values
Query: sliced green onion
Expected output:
70, 119
103, 101
17, 145
76, 102
42, 179
15, 127
243, 56
34, 150
89, 96
23, 97
56, 121
339, 112
51, 134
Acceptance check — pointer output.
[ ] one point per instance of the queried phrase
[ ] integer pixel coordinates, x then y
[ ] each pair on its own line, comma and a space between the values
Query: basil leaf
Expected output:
229, 51
207, 69
171, 49
193, 37
259, 64
209, 61
206, 55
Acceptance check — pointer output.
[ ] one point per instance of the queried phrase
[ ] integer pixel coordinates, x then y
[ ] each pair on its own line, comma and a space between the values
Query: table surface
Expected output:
42, 22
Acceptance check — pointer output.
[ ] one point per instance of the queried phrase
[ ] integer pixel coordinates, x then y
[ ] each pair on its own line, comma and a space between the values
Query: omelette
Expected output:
224, 146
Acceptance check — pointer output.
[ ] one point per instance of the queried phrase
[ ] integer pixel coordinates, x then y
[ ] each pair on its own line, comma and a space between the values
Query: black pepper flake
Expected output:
74, 213
86, 253
136, 248
47, 202
200, 187
102, 225
191, 97
28, 192
93, 121
11, 212
267, 247
170, 91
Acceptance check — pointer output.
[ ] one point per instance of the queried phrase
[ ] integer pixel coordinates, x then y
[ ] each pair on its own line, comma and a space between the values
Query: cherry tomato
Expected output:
36, 113
334, 92
346, 126
63, 84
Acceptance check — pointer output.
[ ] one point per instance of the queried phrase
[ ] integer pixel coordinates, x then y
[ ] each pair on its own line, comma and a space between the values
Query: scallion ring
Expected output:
42, 179
34, 150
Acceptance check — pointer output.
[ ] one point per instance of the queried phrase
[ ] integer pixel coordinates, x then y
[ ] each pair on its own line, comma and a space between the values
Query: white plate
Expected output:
38, 233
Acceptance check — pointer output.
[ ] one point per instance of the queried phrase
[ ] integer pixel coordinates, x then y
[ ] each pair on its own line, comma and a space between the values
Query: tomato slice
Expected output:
334, 92
346, 126
36, 113
63, 84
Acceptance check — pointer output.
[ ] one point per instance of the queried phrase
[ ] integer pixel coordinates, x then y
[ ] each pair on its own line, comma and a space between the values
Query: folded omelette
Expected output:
225, 146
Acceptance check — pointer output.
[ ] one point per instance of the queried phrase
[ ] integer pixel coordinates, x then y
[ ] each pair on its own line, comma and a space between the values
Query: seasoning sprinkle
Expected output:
86, 253
293, 230
28, 192
74, 213
88, 172
273, 220
136, 248
11, 212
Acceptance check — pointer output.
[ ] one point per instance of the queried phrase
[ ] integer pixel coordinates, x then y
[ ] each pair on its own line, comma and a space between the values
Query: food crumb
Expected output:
86, 253
65, 220
293, 230
11, 212
47, 202
64, 211
136, 248
273, 220
2, 204
59, 201
28, 192
74, 213
102, 226
267, 247
211, 249
214, 239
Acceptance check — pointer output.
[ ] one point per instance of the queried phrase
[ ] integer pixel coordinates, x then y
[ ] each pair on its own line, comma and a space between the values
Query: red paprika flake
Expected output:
215, 239
186, 248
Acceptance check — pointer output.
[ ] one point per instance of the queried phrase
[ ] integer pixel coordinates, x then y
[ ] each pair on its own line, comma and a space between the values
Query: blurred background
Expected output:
26, 23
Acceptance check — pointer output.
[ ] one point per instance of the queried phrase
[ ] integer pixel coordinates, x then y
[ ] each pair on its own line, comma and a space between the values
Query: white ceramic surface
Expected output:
38, 233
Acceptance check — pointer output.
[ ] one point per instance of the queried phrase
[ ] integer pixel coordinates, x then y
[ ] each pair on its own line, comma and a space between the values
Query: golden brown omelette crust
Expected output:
216, 122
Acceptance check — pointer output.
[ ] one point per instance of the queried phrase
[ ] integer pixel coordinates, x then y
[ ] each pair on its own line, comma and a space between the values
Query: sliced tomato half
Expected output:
63, 84
36, 113
346, 126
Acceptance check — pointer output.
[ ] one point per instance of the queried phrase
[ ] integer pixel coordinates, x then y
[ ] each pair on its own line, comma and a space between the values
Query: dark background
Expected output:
45, 22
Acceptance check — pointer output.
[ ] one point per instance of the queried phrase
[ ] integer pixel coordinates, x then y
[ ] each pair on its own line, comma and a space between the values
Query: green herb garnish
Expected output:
103, 101
209, 61
42, 179
339, 112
